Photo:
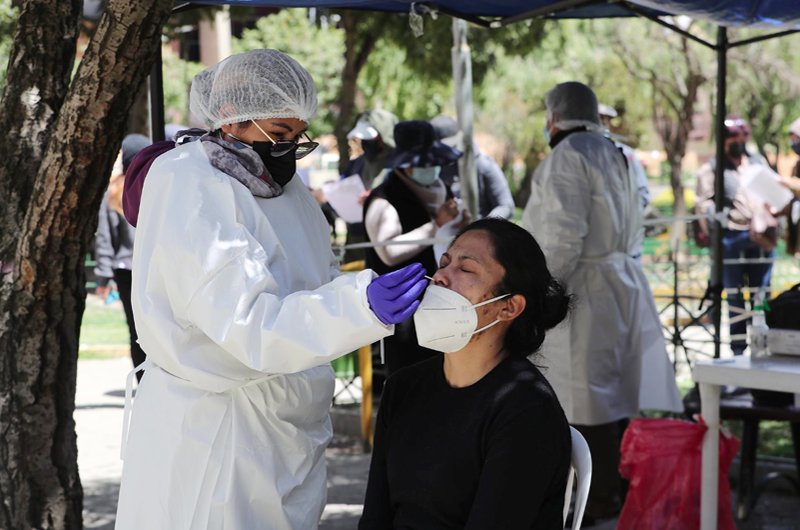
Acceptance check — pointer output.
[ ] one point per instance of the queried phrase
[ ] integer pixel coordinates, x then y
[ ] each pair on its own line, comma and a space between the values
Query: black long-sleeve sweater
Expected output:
493, 455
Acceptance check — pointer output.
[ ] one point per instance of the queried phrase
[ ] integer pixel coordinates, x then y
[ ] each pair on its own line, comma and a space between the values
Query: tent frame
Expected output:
714, 292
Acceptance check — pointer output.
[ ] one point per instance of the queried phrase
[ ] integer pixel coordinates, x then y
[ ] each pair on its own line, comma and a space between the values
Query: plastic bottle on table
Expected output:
759, 331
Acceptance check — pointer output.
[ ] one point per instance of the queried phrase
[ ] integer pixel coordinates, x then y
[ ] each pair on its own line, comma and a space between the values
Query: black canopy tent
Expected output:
783, 16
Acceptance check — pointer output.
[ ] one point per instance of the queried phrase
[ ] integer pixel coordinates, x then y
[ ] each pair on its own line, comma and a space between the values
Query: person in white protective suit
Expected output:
240, 307
634, 166
610, 360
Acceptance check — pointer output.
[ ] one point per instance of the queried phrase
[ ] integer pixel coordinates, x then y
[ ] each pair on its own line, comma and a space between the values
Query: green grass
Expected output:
104, 325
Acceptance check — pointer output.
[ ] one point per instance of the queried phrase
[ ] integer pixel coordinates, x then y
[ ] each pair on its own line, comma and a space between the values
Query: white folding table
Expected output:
777, 372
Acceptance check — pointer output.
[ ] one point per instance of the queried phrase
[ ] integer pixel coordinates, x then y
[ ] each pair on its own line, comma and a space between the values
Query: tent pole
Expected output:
156, 98
719, 184
462, 83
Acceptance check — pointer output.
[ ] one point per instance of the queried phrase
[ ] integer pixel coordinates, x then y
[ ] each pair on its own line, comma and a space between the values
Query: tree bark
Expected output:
37, 81
679, 206
347, 100
356, 54
42, 298
139, 117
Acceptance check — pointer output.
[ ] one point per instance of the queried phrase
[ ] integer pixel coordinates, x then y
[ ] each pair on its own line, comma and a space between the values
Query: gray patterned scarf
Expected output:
236, 160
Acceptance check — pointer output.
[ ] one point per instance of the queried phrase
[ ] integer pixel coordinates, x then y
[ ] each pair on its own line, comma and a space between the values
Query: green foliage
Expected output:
764, 86
388, 82
429, 55
8, 22
511, 97
178, 75
320, 51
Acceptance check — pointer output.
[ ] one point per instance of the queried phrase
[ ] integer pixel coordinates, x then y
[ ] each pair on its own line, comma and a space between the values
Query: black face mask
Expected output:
281, 168
736, 150
372, 148
796, 147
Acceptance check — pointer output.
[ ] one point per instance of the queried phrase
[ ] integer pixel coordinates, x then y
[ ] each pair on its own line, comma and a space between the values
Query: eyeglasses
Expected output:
284, 147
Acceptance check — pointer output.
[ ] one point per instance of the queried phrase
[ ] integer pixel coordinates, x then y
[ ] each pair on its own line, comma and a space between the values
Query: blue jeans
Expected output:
737, 244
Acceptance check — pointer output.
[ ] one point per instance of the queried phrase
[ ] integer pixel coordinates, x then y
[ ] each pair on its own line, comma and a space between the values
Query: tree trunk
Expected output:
139, 116
679, 206
347, 99
37, 81
42, 298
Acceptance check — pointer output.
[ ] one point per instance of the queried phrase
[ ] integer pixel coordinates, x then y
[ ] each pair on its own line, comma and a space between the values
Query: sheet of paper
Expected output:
343, 197
763, 183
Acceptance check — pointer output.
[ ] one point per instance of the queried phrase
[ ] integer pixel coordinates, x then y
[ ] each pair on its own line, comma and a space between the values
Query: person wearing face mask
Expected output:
240, 306
750, 232
410, 205
494, 195
375, 131
610, 361
475, 437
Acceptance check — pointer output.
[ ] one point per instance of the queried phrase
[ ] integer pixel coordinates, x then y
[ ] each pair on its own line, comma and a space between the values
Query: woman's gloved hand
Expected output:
393, 297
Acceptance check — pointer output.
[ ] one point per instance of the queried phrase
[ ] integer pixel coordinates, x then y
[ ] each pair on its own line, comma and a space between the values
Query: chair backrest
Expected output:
581, 466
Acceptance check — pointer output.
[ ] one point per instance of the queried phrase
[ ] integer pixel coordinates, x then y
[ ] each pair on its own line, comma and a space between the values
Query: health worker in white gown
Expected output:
610, 360
240, 307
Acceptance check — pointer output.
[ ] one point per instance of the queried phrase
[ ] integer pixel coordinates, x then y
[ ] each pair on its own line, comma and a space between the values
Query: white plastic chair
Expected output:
581, 465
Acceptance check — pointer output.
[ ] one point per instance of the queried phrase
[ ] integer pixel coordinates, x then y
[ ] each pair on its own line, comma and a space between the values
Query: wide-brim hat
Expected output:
417, 146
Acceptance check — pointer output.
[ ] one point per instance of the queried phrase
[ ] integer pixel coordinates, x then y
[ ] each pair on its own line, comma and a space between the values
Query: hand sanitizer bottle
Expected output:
759, 331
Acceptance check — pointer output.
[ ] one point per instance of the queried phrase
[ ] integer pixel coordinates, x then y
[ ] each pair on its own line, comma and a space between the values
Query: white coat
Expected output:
237, 308
609, 359
636, 169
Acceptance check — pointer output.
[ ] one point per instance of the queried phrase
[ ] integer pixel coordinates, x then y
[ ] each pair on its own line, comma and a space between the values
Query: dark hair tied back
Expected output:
547, 301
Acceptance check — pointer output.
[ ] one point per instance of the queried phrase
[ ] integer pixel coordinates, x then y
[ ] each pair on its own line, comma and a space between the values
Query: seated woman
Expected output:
475, 437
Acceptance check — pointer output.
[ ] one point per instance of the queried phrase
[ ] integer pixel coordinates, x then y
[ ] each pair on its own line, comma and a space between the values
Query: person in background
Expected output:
475, 437
375, 130
635, 167
742, 238
410, 205
792, 211
171, 130
114, 242
793, 182
610, 360
494, 195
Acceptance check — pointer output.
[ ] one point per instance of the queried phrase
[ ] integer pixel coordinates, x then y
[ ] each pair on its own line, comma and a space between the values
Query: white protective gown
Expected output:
237, 308
609, 359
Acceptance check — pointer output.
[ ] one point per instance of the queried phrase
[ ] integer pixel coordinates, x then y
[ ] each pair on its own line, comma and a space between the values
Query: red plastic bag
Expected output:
662, 460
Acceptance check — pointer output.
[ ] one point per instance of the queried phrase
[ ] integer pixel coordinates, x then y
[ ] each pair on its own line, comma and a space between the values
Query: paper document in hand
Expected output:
343, 196
763, 183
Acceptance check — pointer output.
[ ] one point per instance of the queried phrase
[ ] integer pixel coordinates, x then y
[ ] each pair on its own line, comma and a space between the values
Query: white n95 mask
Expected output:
446, 321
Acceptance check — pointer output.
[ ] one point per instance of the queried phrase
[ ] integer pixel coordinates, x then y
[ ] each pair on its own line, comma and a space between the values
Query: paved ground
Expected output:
99, 412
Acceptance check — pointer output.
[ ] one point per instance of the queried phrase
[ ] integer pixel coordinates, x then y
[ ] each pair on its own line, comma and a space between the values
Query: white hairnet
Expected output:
255, 85
572, 105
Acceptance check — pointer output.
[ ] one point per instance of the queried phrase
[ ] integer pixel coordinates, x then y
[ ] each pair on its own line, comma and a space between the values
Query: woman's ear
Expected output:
515, 305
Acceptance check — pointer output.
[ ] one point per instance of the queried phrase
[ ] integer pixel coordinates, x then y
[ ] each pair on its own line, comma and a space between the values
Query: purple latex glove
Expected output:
393, 297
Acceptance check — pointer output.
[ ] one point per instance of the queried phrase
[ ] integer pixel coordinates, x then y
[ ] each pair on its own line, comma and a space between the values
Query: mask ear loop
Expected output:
495, 299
